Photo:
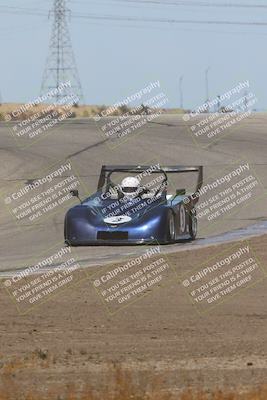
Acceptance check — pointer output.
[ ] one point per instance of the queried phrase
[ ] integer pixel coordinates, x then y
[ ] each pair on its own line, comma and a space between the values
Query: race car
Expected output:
139, 209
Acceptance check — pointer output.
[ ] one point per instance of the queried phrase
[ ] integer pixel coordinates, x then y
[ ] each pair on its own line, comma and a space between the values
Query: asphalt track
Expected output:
166, 140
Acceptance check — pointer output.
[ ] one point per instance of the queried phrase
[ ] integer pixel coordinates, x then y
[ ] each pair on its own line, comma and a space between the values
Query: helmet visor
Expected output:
129, 189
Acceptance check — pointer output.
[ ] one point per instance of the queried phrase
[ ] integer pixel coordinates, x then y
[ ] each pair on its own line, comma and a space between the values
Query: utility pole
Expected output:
207, 86
181, 92
218, 103
61, 66
245, 103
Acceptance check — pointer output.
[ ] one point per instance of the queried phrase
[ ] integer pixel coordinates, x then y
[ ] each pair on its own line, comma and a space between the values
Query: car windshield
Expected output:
149, 183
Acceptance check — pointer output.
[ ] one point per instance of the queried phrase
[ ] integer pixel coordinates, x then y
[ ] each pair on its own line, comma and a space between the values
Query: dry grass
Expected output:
81, 111
120, 385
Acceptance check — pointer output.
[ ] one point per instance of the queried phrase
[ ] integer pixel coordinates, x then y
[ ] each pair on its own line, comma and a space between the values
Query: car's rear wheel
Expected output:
171, 228
192, 226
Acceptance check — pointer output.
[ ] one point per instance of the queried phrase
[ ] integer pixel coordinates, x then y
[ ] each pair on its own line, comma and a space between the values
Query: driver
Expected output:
130, 187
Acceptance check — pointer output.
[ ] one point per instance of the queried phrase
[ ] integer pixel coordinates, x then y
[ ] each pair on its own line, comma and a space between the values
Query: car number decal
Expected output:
119, 219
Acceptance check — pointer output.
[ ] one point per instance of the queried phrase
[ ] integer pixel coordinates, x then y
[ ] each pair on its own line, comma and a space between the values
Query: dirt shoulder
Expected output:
72, 337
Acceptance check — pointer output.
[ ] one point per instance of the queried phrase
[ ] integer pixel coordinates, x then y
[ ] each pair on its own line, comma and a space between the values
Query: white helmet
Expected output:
130, 187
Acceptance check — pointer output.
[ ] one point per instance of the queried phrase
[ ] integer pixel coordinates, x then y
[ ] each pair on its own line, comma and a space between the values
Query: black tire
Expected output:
171, 234
192, 226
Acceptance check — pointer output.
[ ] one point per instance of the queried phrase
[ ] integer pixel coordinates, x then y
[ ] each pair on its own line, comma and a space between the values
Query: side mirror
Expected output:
75, 193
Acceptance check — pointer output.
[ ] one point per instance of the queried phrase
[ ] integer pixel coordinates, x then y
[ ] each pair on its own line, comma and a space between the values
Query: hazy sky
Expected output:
115, 59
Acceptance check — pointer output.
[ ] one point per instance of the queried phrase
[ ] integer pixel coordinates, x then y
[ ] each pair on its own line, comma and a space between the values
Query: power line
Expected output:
120, 18
167, 20
23, 11
124, 25
186, 3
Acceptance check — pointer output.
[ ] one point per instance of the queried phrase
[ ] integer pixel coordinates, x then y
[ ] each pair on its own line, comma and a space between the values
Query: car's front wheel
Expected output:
171, 228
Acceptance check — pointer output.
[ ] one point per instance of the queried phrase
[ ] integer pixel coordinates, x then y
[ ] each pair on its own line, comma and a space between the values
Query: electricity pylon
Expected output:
60, 65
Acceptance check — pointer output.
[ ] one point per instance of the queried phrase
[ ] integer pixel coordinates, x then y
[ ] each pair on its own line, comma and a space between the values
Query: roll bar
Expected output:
106, 171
